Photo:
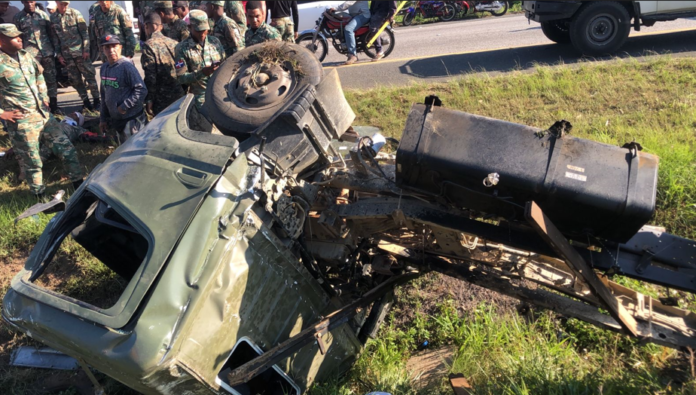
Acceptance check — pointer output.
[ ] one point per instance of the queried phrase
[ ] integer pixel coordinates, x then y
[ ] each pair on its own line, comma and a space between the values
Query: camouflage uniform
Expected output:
22, 87
192, 57
262, 34
36, 37
235, 10
93, 44
71, 39
286, 28
115, 22
228, 32
146, 7
177, 30
160, 75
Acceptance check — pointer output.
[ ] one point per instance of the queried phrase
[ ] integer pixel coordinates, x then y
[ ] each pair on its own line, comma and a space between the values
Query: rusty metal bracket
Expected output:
98, 389
548, 231
339, 317
645, 261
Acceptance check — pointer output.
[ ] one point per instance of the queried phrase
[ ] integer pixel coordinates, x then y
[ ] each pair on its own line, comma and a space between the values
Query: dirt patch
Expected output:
427, 368
434, 288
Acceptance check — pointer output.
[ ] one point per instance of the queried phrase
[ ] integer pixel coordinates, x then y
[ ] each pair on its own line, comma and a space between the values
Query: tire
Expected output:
448, 13
408, 19
600, 28
320, 48
387, 34
235, 110
503, 11
557, 31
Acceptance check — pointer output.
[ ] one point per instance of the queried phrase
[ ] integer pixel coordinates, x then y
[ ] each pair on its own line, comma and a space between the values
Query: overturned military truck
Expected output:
258, 250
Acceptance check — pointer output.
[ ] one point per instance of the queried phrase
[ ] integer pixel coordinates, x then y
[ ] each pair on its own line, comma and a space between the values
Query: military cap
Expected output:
198, 20
163, 4
109, 39
9, 30
217, 3
181, 4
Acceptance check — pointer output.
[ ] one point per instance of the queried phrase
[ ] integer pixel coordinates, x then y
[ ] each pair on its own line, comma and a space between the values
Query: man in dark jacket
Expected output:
380, 11
122, 92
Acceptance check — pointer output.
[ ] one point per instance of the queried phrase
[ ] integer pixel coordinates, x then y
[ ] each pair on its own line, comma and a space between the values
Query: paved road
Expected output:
440, 51
443, 50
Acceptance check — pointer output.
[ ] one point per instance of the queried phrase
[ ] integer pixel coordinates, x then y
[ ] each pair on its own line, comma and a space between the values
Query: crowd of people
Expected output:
182, 44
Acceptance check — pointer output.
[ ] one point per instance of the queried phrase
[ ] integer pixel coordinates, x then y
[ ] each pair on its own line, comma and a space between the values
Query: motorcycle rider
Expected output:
360, 12
381, 11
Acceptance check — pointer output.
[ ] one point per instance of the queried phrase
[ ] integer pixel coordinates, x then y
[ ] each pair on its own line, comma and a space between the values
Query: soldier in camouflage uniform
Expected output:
145, 8
93, 45
258, 31
23, 106
235, 10
198, 57
285, 17
35, 26
71, 40
173, 27
158, 63
224, 28
110, 18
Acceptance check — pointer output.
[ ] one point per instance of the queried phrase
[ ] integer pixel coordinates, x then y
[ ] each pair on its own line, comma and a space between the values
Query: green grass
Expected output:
653, 102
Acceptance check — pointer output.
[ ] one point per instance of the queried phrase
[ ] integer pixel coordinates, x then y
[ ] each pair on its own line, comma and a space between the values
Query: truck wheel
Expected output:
557, 31
600, 28
253, 84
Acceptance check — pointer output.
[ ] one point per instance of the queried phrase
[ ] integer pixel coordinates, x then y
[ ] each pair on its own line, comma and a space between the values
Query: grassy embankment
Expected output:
502, 353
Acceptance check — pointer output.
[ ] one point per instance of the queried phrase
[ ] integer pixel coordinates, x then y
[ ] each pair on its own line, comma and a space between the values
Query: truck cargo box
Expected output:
586, 188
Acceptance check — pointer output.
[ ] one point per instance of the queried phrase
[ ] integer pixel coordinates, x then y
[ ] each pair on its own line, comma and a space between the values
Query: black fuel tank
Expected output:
584, 187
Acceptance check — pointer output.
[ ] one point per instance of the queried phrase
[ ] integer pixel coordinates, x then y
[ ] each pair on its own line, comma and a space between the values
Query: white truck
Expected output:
598, 28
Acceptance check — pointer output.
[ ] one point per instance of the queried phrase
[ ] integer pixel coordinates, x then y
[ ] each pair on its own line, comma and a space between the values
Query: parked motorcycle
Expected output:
496, 8
430, 9
332, 26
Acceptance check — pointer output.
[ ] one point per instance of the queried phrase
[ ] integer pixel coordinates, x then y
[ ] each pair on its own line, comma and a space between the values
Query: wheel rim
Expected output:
602, 29
260, 85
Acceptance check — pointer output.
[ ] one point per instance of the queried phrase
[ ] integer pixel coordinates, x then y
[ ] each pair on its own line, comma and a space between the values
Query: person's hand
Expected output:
332, 10
274, 23
102, 128
391, 20
209, 70
148, 108
121, 110
11, 116
61, 60
85, 56
296, 35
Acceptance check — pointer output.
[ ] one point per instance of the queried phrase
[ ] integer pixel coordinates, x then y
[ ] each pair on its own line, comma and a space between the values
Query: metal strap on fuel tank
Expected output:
554, 157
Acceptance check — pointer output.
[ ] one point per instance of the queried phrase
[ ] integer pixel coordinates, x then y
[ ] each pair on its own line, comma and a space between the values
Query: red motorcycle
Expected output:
430, 9
332, 26
496, 8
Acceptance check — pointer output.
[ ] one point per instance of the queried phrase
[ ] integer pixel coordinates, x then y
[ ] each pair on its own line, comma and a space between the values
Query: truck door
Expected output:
675, 6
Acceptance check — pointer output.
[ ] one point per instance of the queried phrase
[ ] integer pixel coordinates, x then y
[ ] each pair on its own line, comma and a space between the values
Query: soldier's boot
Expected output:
87, 105
96, 103
53, 105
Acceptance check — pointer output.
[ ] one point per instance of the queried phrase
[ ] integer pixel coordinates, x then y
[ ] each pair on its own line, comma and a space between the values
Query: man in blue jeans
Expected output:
360, 11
